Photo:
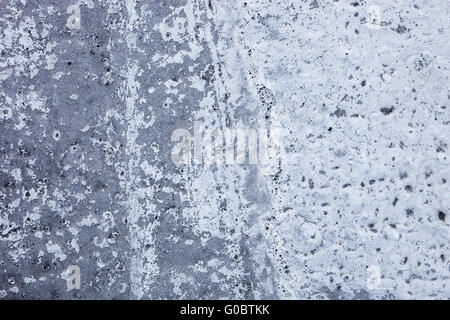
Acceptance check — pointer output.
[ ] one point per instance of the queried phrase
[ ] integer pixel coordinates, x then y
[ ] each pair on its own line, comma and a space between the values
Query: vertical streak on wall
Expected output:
227, 183
141, 266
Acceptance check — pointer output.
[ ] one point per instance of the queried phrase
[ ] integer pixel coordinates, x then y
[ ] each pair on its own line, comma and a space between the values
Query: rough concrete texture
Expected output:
353, 204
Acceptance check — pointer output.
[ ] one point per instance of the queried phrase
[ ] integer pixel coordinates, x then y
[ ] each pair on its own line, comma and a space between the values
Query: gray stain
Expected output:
353, 203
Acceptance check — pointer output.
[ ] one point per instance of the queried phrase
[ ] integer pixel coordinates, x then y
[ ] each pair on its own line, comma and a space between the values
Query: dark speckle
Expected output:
401, 29
394, 202
387, 111
403, 175
339, 113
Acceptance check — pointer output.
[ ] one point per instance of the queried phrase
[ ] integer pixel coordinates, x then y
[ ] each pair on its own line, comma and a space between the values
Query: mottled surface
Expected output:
354, 203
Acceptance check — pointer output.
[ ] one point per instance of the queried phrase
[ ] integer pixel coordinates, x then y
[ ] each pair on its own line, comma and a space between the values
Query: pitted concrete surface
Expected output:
353, 202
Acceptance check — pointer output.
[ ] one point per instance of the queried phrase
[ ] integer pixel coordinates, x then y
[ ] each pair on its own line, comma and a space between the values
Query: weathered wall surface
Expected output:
352, 201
